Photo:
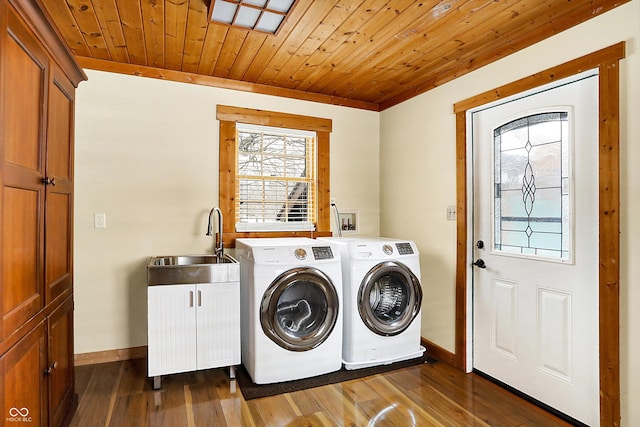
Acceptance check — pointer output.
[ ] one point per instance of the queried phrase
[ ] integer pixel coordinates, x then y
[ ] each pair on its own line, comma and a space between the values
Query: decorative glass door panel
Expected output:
532, 200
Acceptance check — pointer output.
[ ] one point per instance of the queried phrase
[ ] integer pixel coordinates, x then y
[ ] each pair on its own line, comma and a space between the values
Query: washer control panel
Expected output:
322, 252
404, 248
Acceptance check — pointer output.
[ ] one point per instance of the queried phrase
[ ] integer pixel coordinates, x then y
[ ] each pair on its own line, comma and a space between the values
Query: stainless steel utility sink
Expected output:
191, 269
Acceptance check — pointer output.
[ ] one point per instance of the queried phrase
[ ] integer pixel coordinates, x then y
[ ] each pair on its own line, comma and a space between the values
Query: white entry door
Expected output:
535, 236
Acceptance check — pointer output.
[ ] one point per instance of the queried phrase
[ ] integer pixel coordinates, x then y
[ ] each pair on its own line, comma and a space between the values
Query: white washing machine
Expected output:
382, 298
291, 316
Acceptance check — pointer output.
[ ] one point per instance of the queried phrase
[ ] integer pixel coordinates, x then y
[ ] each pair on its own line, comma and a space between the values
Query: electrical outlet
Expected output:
451, 213
100, 220
332, 200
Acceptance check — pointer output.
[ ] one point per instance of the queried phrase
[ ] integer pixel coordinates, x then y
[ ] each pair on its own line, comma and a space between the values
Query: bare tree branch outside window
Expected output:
276, 175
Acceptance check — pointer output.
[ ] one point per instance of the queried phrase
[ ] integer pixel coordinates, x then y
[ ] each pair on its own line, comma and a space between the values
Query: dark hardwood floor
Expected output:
119, 394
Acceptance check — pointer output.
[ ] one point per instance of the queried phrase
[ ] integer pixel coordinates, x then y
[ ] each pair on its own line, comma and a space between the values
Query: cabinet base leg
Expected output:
232, 371
157, 381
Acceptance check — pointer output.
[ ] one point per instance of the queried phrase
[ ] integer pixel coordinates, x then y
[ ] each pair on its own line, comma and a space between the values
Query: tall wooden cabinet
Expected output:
38, 77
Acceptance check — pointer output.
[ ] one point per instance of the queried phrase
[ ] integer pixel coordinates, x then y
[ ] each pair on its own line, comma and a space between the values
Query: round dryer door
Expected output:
389, 298
299, 309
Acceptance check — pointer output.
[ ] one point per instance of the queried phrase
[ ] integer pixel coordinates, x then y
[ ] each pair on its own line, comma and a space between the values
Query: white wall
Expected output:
147, 156
417, 144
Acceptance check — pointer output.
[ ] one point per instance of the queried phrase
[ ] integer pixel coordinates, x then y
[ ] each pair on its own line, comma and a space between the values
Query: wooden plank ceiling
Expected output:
369, 54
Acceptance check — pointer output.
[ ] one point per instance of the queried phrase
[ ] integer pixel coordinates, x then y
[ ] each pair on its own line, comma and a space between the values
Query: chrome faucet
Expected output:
218, 242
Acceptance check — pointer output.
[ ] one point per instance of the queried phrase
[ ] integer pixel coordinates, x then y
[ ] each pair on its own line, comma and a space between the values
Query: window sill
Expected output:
230, 238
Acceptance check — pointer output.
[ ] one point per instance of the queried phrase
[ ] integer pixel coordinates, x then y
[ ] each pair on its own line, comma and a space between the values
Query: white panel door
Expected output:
218, 320
535, 231
171, 329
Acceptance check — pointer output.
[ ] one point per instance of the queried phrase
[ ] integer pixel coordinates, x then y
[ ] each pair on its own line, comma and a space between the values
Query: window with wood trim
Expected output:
274, 174
275, 179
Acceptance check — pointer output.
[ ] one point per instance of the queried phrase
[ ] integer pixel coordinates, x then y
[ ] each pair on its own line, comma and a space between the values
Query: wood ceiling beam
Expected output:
180, 76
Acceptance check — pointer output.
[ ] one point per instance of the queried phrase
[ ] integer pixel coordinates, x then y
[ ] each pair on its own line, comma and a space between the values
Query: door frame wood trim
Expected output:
607, 61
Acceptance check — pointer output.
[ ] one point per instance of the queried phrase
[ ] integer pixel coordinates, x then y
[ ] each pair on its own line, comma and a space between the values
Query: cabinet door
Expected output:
59, 368
171, 329
23, 383
218, 324
59, 190
23, 83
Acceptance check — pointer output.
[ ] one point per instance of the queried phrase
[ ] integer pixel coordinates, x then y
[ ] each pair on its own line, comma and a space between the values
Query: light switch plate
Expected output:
451, 213
100, 220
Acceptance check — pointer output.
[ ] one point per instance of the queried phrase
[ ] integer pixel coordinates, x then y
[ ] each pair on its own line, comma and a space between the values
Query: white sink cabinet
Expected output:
194, 326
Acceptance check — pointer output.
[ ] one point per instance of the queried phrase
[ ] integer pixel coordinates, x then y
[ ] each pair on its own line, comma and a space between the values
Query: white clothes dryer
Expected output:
382, 298
291, 315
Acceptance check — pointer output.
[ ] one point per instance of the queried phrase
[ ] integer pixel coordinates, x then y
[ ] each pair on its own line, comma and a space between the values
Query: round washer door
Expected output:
299, 309
389, 298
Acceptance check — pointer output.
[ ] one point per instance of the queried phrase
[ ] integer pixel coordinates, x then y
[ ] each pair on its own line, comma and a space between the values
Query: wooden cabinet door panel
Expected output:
60, 362
24, 386
58, 262
60, 125
23, 87
21, 257
24, 80
59, 193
